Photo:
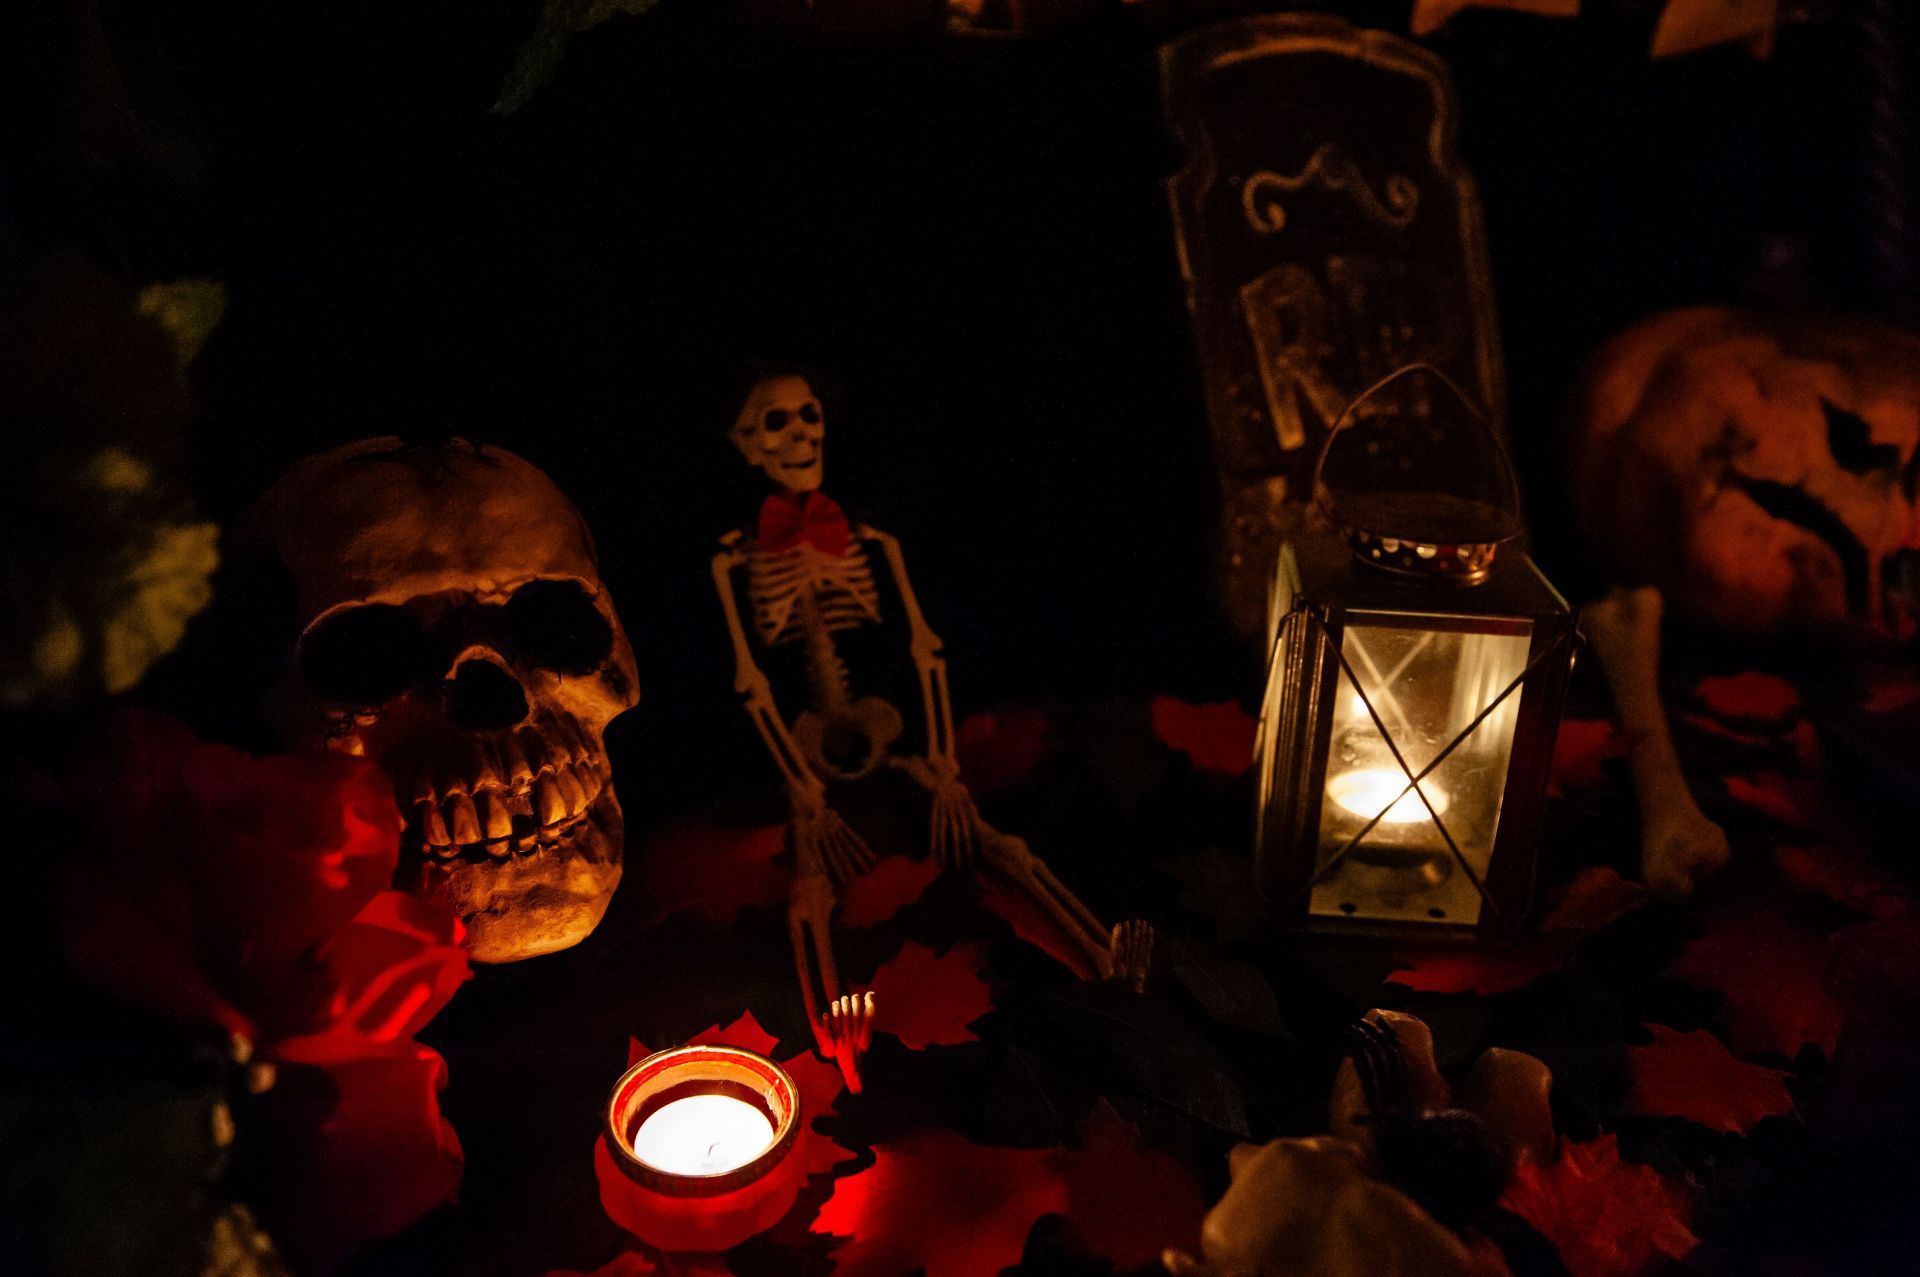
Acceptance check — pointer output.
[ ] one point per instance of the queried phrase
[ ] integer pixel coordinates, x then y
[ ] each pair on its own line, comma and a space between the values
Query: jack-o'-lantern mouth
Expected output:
1792, 504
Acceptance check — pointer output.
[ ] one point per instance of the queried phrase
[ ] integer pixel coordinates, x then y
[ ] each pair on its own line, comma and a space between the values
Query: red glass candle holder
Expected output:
673, 1210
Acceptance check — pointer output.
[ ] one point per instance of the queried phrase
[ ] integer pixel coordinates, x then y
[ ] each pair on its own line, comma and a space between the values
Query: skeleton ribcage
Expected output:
842, 586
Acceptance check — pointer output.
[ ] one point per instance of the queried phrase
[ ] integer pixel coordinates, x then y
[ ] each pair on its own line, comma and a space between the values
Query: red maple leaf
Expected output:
710, 871
884, 890
1749, 697
1127, 1202
1694, 1076
1000, 750
1608, 1217
389, 972
382, 1157
1771, 975
1597, 896
1800, 802
1217, 737
1891, 688
1034, 925
634, 1263
938, 1202
1876, 968
819, 1082
1846, 876
1580, 751
1474, 970
926, 1000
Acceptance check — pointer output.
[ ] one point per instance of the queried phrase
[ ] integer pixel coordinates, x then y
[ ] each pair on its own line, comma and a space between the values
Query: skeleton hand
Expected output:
953, 820
822, 837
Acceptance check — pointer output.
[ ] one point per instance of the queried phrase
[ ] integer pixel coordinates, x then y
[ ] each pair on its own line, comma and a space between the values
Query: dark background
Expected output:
969, 236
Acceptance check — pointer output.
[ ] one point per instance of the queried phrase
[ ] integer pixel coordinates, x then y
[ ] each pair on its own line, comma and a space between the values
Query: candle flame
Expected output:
1368, 793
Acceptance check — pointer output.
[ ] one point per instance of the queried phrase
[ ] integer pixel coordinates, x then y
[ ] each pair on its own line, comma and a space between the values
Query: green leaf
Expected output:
1232, 992
189, 309
540, 54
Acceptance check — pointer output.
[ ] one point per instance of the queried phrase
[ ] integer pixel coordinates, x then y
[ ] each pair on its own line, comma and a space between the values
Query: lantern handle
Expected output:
1344, 421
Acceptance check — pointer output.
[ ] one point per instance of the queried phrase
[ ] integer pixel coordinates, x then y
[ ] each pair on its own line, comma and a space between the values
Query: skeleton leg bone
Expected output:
1679, 846
810, 928
1014, 861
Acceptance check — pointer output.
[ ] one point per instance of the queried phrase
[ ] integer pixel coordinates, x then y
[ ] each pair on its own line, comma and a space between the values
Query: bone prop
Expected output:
850, 1033
1679, 846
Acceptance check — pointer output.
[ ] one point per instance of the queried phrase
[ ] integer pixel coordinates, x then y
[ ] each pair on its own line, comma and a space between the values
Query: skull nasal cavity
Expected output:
482, 697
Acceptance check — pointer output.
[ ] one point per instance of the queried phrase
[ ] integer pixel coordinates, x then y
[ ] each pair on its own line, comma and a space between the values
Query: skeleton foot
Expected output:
1013, 860
809, 927
850, 1033
1130, 953
1679, 846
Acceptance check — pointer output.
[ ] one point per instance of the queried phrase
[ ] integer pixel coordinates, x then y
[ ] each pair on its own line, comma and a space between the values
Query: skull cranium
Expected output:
780, 429
454, 628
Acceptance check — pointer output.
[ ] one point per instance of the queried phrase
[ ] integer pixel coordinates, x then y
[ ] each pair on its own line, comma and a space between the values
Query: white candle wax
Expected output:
1367, 793
703, 1135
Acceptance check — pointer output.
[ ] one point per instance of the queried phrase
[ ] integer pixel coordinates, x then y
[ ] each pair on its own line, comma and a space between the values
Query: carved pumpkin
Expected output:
1758, 470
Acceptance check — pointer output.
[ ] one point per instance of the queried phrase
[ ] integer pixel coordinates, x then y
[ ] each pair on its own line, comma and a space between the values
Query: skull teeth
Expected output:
513, 793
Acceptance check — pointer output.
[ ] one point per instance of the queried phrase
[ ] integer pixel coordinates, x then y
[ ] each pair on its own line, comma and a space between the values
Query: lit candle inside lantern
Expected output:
1369, 792
703, 1135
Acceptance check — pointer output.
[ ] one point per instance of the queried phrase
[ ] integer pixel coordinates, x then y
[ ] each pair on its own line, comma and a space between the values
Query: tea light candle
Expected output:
702, 1148
1367, 793
703, 1135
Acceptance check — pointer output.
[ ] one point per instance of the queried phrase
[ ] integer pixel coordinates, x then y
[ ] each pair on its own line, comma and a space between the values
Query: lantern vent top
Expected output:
1417, 482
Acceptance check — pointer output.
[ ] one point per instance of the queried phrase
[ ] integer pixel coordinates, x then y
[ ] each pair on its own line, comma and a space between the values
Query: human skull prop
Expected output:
1758, 471
781, 430
453, 627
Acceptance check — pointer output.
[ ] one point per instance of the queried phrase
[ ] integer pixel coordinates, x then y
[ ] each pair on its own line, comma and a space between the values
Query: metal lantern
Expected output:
1418, 668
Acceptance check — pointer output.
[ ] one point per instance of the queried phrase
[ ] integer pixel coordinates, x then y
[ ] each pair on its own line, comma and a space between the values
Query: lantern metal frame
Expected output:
1321, 591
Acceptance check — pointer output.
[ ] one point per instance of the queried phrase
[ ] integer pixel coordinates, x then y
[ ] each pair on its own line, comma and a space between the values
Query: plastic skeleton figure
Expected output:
809, 575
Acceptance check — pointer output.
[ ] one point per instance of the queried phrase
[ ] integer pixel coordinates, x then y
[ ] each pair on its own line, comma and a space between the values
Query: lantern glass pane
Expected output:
1425, 687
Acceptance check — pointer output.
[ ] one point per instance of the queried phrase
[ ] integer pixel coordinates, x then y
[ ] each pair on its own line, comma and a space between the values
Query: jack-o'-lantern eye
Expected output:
1850, 439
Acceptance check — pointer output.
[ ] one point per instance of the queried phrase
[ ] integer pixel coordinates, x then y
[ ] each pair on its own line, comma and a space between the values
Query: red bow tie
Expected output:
788, 518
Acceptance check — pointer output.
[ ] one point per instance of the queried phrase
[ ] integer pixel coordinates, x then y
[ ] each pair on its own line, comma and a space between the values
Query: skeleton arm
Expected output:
926, 655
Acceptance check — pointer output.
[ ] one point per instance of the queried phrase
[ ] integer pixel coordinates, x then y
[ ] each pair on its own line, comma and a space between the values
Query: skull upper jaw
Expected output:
517, 907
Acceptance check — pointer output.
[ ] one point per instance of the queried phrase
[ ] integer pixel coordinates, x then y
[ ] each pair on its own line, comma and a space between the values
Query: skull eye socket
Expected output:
364, 656
555, 626
775, 420
810, 413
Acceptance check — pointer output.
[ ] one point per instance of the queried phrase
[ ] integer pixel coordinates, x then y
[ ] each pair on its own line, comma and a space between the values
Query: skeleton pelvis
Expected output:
848, 742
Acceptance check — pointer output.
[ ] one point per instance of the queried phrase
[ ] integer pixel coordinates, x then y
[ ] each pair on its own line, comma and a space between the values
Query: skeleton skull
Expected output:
1759, 471
780, 430
453, 627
